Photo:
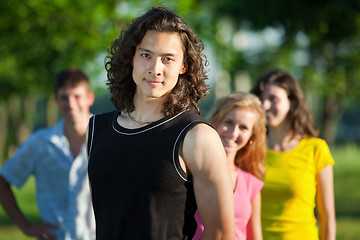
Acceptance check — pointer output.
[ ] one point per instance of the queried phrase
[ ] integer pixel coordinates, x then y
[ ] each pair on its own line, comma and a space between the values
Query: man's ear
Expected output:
91, 98
183, 68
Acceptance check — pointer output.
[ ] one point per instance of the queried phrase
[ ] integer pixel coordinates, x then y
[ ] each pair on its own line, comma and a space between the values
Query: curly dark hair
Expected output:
190, 88
299, 116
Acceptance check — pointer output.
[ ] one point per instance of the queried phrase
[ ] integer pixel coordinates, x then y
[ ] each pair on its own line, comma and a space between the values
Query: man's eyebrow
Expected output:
163, 54
145, 50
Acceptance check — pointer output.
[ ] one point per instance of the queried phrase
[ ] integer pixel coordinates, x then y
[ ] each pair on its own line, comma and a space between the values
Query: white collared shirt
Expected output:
62, 188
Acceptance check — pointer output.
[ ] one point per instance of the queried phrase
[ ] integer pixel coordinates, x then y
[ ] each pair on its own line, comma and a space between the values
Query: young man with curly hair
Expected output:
154, 160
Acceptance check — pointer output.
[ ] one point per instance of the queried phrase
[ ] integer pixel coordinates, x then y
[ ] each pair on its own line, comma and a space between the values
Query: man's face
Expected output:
75, 102
157, 63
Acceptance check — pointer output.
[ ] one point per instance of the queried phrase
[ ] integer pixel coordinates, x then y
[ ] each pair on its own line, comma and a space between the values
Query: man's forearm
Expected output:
10, 205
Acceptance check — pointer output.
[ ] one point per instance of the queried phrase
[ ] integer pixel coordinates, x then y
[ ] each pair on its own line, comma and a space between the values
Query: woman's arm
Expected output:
254, 231
326, 204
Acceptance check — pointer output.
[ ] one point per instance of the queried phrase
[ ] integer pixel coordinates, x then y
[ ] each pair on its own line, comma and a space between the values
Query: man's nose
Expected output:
156, 67
71, 101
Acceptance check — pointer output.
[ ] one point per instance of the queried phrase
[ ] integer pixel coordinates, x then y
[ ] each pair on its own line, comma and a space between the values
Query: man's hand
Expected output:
40, 231
8, 201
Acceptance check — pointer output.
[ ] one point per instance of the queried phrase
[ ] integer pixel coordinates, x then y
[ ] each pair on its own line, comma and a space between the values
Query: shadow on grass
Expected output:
346, 214
6, 221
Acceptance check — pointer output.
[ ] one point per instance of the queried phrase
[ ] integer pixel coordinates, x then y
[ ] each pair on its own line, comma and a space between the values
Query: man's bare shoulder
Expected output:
201, 131
201, 145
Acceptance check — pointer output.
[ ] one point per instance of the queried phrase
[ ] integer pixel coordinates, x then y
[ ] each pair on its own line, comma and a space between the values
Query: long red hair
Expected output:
251, 157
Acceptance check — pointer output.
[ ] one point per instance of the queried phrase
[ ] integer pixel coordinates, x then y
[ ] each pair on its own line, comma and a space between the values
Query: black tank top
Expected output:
139, 190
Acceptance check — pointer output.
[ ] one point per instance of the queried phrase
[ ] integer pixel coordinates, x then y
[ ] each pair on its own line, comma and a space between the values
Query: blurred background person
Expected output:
56, 156
299, 165
240, 122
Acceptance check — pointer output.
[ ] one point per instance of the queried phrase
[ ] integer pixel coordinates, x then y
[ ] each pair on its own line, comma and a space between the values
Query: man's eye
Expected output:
146, 55
168, 59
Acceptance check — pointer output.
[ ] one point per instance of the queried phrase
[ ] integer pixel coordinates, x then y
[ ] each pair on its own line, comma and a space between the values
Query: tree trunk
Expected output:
332, 112
20, 117
3, 132
52, 112
26, 126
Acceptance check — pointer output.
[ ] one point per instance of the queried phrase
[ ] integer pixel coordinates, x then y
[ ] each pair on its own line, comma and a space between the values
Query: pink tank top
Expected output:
247, 187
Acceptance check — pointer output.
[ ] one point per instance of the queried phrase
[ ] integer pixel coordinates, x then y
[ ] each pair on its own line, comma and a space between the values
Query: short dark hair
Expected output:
299, 116
70, 77
190, 88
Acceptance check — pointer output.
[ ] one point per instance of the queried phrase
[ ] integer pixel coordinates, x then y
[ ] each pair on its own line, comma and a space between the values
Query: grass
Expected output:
346, 188
27, 202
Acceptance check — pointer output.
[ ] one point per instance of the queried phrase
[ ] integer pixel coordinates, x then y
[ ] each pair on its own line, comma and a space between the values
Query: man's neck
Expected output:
147, 110
75, 133
75, 129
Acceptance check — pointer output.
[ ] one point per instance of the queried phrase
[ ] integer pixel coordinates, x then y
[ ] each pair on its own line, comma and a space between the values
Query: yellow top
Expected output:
288, 195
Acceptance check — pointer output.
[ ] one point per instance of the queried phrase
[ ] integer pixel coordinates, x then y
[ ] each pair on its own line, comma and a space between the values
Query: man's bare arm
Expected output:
12, 209
205, 157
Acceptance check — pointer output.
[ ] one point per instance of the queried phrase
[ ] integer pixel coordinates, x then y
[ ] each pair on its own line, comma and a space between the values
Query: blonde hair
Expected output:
251, 157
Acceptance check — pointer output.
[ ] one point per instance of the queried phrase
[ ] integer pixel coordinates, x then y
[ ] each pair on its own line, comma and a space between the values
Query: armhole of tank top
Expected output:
90, 135
176, 162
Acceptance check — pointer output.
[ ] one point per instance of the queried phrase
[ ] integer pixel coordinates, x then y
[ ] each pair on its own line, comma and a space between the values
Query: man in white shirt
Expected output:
56, 156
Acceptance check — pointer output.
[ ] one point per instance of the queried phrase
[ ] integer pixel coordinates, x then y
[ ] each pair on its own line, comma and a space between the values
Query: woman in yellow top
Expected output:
299, 165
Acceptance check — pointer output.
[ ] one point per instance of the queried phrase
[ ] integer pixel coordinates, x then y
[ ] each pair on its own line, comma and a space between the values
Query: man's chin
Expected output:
71, 119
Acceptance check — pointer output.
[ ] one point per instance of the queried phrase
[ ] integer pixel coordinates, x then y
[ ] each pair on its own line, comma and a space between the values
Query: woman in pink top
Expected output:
240, 121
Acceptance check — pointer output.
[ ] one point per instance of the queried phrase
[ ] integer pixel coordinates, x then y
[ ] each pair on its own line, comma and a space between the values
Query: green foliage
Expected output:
347, 197
39, 38
346, 175
348, 228
318, 41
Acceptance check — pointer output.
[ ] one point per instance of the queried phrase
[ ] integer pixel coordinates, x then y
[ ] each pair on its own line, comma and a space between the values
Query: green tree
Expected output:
38, 39
318, 44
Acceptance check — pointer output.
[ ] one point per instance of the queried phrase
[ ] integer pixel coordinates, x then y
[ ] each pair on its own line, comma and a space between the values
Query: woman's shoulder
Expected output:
248, 177
251, 183
311, 139
314, 141
320, 149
